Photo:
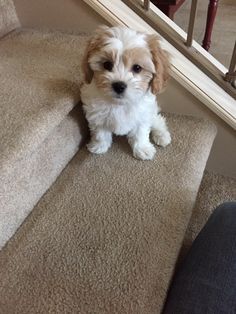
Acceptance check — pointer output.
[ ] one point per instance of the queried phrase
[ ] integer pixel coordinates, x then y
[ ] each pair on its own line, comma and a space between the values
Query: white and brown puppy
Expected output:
124, 71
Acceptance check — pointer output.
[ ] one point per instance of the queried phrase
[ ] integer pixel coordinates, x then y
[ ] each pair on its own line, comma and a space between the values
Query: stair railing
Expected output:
227, 79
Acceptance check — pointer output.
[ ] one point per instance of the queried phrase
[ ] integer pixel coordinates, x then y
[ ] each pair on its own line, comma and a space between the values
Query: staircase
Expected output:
40, 128
104, 234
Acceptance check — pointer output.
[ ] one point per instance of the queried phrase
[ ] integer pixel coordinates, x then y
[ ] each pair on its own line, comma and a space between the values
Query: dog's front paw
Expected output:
162, 139
98, 147
144, 152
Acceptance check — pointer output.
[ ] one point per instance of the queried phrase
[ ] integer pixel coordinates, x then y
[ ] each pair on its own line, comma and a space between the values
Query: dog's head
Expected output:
124, 63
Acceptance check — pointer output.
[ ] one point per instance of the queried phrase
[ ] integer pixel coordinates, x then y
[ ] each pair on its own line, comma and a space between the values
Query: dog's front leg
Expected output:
160, 134
100, 141
140, 143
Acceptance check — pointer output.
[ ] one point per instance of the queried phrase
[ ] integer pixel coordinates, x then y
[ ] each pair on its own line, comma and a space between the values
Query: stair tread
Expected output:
106, 235
40, 75
215, 189
8, 17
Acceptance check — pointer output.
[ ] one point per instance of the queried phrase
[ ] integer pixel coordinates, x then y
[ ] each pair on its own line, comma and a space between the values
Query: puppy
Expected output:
124, 71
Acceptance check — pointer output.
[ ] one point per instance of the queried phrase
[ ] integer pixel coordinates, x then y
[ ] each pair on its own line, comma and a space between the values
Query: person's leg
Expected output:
205, 282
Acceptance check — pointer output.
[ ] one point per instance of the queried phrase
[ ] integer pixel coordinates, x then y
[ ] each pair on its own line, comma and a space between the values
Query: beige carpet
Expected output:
8, 17
30, 177
40, 73
105, 237
214, 190
39, 87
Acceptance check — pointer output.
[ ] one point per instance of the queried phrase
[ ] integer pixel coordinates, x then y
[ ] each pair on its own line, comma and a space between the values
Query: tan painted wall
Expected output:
64, 15
76, 16
223, 155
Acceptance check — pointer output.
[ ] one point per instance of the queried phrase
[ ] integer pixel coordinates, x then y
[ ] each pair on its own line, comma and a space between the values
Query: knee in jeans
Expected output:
226, 212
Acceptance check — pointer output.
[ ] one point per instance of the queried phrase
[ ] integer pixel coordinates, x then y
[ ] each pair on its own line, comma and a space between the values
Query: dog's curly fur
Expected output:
124, 71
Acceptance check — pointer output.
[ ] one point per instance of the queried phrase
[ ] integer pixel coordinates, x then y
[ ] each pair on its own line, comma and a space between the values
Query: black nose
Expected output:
119, 87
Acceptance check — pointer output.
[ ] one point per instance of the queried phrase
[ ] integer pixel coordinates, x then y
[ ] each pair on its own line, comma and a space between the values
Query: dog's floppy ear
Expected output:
160, 59
88, 73
93, 44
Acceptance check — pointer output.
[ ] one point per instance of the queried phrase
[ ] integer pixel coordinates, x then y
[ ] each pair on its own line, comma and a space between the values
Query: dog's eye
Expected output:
108, 65
136, 68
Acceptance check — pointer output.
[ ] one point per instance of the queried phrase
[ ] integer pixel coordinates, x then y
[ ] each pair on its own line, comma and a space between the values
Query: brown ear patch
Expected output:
161, 62
88, 73
94, 44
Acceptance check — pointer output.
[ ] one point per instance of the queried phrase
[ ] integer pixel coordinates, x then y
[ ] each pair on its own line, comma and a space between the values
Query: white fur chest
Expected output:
116, 118
119, 118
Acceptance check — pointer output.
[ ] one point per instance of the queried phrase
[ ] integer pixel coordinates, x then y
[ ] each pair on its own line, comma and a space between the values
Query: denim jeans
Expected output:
205, 282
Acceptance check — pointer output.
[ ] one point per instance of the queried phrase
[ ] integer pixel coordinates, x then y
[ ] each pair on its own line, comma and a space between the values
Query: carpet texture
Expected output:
8, 18
214, 190
106, 235
40, 74
30, 177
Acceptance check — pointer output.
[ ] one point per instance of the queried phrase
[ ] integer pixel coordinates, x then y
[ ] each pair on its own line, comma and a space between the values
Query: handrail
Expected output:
143, 9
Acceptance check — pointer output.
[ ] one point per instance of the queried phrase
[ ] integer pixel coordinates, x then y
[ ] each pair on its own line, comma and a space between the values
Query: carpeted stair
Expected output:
106, 235
39, 132
215, 189
8, 17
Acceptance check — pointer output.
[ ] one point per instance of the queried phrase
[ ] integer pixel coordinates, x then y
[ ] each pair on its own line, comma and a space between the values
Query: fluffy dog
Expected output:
124, 71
